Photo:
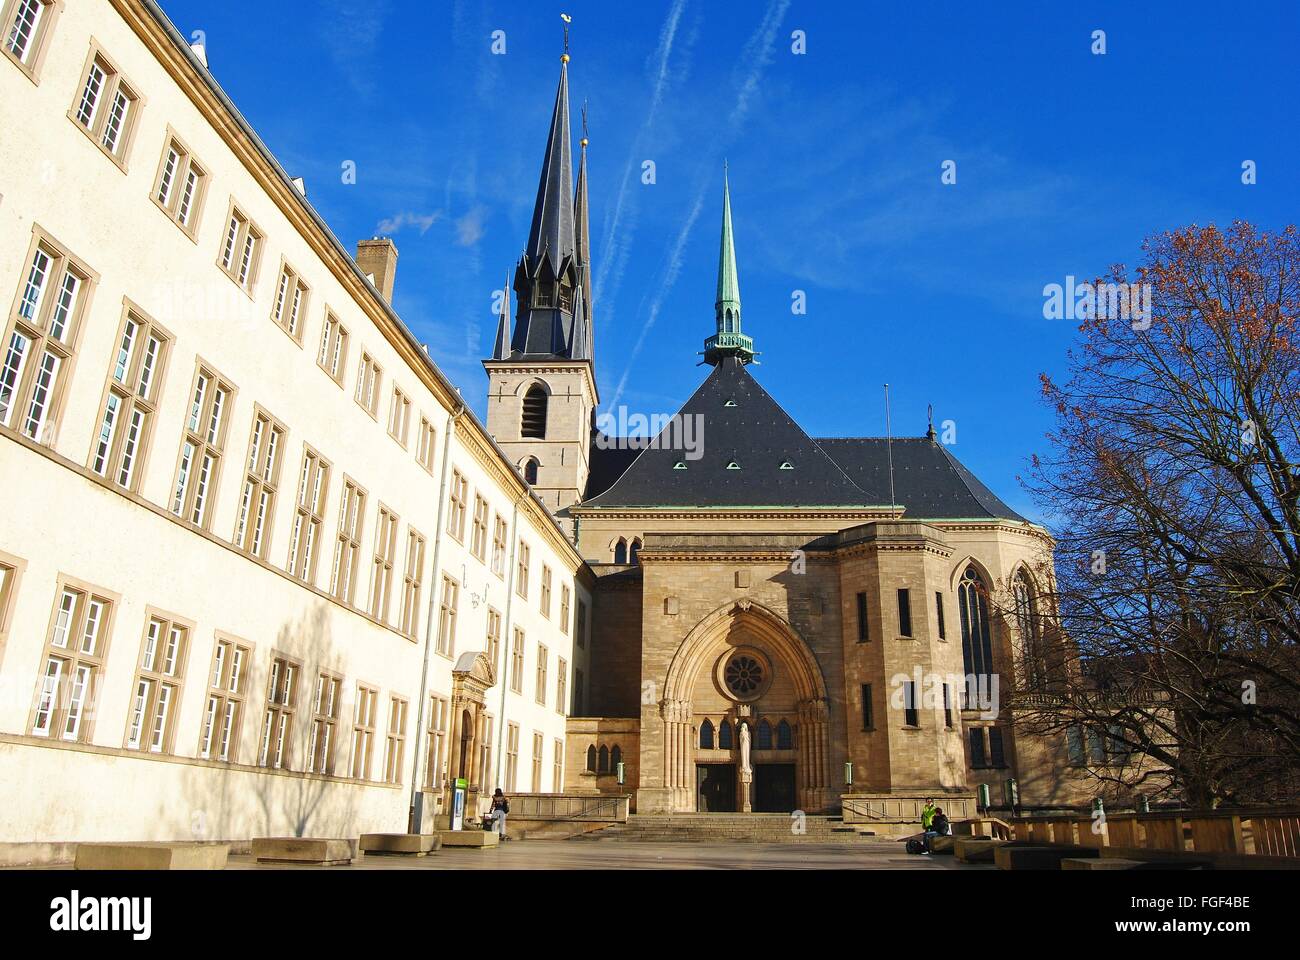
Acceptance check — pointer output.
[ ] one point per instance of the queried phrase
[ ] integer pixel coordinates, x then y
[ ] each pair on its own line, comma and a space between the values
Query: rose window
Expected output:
744, 675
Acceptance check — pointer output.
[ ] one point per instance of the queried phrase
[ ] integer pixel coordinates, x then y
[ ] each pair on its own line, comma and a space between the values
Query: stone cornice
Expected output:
548, 366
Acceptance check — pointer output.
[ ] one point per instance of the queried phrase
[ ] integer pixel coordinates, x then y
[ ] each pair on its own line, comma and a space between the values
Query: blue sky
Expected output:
1065, 161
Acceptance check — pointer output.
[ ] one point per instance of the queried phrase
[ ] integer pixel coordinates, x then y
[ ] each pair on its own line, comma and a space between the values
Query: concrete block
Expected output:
321, 851
1098, 863
401, 844
151, 856
976, 849
469, 838
942, 844
1014, 856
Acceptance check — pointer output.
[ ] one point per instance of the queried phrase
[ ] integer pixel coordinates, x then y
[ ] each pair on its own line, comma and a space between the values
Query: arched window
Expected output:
724, 735
620, 551
534, 419
706, 735
530, 471
615, 758
603, 764
591, 758
634, 554
973, 605
763, 741
1031, 637
784, 736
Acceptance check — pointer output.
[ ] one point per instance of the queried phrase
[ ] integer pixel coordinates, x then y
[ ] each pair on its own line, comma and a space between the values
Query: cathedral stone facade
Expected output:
780, 621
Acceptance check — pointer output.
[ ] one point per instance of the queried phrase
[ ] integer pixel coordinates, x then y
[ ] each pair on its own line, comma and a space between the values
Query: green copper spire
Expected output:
728, 341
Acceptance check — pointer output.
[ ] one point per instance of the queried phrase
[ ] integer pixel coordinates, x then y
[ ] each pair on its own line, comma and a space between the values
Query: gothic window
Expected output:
530, 471
533, 425
744, 675
1031, 638
591, 758
566, 298
634, 553
603, 761
763, 739
784, 736
724, 735
706, 735
620, 551
615, 758
976, 646
545, 294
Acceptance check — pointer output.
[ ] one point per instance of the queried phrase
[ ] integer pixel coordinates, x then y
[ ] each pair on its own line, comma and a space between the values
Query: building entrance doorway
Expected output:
715, 787
774, 790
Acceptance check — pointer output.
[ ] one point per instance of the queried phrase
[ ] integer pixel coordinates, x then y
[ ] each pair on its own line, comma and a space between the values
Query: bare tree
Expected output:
1173, 488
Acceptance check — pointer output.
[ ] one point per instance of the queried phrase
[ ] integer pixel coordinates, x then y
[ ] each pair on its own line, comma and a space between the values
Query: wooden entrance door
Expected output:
715, 787
774, 790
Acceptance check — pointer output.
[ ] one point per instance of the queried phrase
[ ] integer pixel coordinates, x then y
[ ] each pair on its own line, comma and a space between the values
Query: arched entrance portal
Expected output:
745, 719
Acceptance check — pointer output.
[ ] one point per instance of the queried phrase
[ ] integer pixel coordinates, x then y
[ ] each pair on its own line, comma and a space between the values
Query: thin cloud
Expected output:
469, 228
352, 38
399, 221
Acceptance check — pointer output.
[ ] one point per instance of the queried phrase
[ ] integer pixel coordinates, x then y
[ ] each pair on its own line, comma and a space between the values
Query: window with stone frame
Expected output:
309, 515
106, 106
181, 188
363, 731
151, 717
395, 742
130, 405
224, 710
261, 482
203, 445
324, 722
72, 663
27, 26
277, 722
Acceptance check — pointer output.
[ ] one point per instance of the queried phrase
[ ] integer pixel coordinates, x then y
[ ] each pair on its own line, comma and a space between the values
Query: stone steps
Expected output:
739, 828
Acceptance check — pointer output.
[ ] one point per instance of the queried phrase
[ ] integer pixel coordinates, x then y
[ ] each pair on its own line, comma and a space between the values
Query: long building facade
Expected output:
262, 572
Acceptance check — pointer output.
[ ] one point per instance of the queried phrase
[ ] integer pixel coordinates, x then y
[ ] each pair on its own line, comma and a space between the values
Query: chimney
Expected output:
377, 258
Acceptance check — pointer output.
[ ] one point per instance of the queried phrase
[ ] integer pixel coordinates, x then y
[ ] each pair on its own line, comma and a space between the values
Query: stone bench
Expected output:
320, 851
151, 856
943, 844
976, 849
469, 838
1017, 856
400, 844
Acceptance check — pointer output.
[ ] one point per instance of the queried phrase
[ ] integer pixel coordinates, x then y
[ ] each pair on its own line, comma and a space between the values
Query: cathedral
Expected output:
781, 621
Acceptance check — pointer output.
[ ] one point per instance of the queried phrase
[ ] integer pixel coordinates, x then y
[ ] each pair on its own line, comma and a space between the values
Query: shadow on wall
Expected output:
236, 802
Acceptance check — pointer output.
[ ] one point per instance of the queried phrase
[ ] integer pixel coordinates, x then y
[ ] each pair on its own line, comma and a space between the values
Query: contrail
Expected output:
757, 51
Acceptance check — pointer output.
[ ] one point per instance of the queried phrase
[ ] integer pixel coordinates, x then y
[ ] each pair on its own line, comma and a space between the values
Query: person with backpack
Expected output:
500, 807
927, 814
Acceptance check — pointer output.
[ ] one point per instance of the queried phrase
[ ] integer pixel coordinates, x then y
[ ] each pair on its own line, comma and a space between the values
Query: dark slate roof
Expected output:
758, 436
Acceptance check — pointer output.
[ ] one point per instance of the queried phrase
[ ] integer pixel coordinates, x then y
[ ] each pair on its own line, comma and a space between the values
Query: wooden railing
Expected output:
1273, 832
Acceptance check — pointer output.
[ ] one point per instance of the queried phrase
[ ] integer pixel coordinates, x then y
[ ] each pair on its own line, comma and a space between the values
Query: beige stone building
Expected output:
262, 572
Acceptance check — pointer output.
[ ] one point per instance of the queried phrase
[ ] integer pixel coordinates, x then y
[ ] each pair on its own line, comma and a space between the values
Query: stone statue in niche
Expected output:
746, 771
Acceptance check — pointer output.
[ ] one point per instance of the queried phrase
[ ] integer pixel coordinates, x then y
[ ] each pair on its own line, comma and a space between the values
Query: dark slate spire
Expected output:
546, 278
728, 341
584, 334
501, 346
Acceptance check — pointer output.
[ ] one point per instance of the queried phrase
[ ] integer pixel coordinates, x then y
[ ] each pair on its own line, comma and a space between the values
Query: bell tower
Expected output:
541, 379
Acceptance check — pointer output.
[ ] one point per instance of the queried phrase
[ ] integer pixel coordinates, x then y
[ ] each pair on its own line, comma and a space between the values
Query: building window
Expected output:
1031, 637
399, 416
73, 664
106, 107
517, 661
977, 755
381, 574
521, 581
290, 302
424, 444
347, 550
1074, 745
538, 747
333, 354
561, 686
370, 376
947, 706
479, 533
531, 466
130, 403
257, 504
152, 716
11, 569
863, 629
241, 249
533, 425
565, 596
219, 739
784, 736
972, 604
499, 546
277, 725
724, 735
938, 609
591, 758
363, 732
325, 716
202, 446
180, 189
437, 731
602, 759
540, 694
309, 515
911, 705
577, 692
546, 591
456, 506
411, 588
395, 748
904, 613
986, 750
580, 626
706, 735
485, 753
763, 738
866, 707
620, 551
494, 638
634, 551
27, 25
447, 616
557, 768
40, 341
512, 755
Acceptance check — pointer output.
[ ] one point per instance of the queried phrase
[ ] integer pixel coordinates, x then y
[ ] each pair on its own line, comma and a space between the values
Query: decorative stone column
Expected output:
679, 754
814, 754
